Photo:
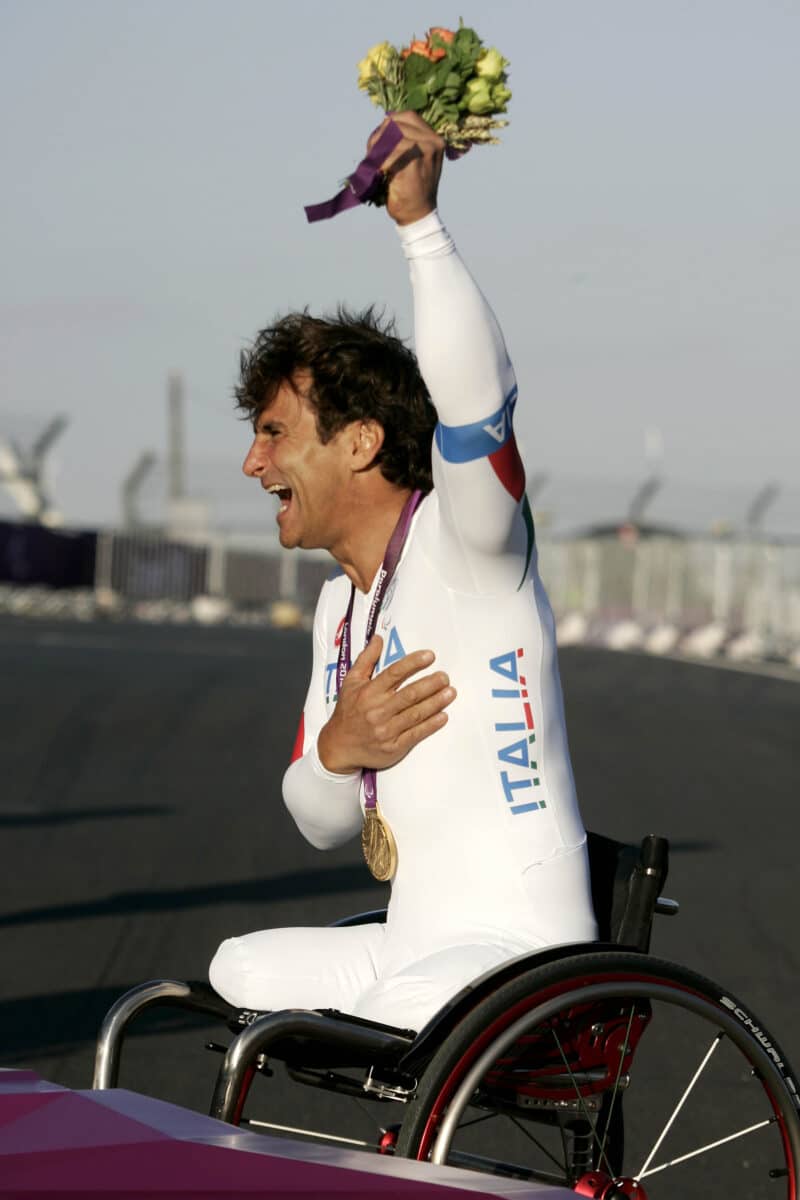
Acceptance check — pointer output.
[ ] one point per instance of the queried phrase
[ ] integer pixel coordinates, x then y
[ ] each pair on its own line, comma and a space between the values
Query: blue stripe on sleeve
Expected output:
463, 443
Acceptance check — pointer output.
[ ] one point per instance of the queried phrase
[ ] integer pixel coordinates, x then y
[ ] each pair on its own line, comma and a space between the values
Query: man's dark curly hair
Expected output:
360, 370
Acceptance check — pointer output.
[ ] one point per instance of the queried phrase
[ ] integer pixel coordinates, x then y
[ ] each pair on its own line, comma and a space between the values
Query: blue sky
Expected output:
638, 232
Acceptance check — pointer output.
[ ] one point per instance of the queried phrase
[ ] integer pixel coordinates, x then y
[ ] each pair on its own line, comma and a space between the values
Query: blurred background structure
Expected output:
24, 446
652, 565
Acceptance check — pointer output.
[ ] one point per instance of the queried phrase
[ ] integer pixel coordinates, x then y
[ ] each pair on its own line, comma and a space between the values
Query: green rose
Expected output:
500, 97
478, 97
491, 65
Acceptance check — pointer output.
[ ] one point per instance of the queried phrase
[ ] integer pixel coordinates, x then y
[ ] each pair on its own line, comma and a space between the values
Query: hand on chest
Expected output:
393, 649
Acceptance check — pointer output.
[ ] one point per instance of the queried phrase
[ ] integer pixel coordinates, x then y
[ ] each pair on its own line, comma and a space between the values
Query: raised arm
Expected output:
485, 528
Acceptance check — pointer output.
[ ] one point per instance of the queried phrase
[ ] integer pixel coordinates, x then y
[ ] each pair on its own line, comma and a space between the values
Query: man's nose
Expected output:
255, 462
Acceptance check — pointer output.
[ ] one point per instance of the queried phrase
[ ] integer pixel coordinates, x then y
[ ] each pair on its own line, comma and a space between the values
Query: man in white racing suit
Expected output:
473, 777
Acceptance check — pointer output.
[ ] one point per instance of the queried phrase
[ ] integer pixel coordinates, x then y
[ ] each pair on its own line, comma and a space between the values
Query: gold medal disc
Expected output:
378, 844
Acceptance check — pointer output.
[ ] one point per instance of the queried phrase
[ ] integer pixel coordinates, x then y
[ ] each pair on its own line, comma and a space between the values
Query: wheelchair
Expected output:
595, 1067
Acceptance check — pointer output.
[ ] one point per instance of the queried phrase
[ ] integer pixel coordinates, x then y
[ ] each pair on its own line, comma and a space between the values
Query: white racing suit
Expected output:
491, 849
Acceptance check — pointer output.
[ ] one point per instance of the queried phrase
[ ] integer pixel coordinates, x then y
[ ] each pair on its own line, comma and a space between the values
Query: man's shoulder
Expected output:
334, 584
332, 598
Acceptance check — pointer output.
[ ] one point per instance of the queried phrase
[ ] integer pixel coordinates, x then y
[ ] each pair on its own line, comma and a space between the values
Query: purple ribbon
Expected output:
361, 186
390, 560
365, 180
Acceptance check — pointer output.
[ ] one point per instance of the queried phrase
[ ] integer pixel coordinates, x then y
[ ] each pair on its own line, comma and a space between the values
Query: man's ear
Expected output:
368, 438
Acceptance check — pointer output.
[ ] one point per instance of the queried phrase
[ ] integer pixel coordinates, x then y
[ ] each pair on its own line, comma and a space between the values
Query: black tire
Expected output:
647, 1015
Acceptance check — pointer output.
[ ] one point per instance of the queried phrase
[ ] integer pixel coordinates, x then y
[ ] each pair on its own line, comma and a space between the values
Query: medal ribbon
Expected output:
388, 567
366, 181
362, 185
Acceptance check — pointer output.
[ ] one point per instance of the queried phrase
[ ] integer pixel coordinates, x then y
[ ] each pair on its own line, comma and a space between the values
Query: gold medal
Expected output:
378, 844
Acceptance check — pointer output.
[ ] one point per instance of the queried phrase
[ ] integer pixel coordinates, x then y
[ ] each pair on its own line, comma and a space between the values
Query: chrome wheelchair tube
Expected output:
258, 1037
197, 997
112, 1031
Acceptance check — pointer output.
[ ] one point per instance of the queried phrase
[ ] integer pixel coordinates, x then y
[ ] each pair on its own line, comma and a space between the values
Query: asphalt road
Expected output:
141, 823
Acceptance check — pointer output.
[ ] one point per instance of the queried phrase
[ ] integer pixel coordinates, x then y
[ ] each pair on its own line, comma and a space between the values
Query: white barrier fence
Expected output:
140, 572
701, 596
654, 592
662, 593
743, 585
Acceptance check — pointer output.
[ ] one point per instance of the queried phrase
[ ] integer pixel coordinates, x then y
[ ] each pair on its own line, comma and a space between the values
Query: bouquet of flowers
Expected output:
451, 79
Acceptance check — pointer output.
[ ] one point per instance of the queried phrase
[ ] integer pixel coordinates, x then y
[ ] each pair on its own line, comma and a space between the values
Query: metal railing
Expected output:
138, 568
739, 585
653, 582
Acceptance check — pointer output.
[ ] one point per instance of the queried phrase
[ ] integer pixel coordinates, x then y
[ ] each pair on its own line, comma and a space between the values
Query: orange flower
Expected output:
446, 35
417, 47
426, 48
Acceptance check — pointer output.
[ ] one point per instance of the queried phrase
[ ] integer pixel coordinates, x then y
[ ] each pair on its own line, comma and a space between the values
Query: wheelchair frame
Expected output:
566, 981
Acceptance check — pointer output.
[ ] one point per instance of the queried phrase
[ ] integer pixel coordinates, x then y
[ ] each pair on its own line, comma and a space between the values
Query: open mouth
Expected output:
284, 495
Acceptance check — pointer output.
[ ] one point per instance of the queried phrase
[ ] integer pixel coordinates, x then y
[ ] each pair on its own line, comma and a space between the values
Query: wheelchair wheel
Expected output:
613, 1074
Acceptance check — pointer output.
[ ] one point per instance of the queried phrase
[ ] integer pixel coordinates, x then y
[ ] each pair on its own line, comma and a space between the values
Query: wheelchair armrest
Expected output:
374, 916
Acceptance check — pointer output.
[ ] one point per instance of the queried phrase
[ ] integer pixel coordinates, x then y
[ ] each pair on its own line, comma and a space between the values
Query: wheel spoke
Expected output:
615, 1089
640, 1174
545, 1066
561, 1166
702, 1149
492, 1116
522, 1128
369, 1114
582, 1103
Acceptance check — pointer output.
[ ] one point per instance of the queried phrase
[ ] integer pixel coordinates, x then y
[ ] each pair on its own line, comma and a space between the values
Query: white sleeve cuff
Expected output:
426, 238
322, 772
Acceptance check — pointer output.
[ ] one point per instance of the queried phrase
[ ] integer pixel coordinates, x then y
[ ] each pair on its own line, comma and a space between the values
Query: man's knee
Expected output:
296, 967
244, 969
226, 970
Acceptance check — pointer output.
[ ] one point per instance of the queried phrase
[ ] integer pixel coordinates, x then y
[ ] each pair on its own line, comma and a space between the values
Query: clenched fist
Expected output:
412, 169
